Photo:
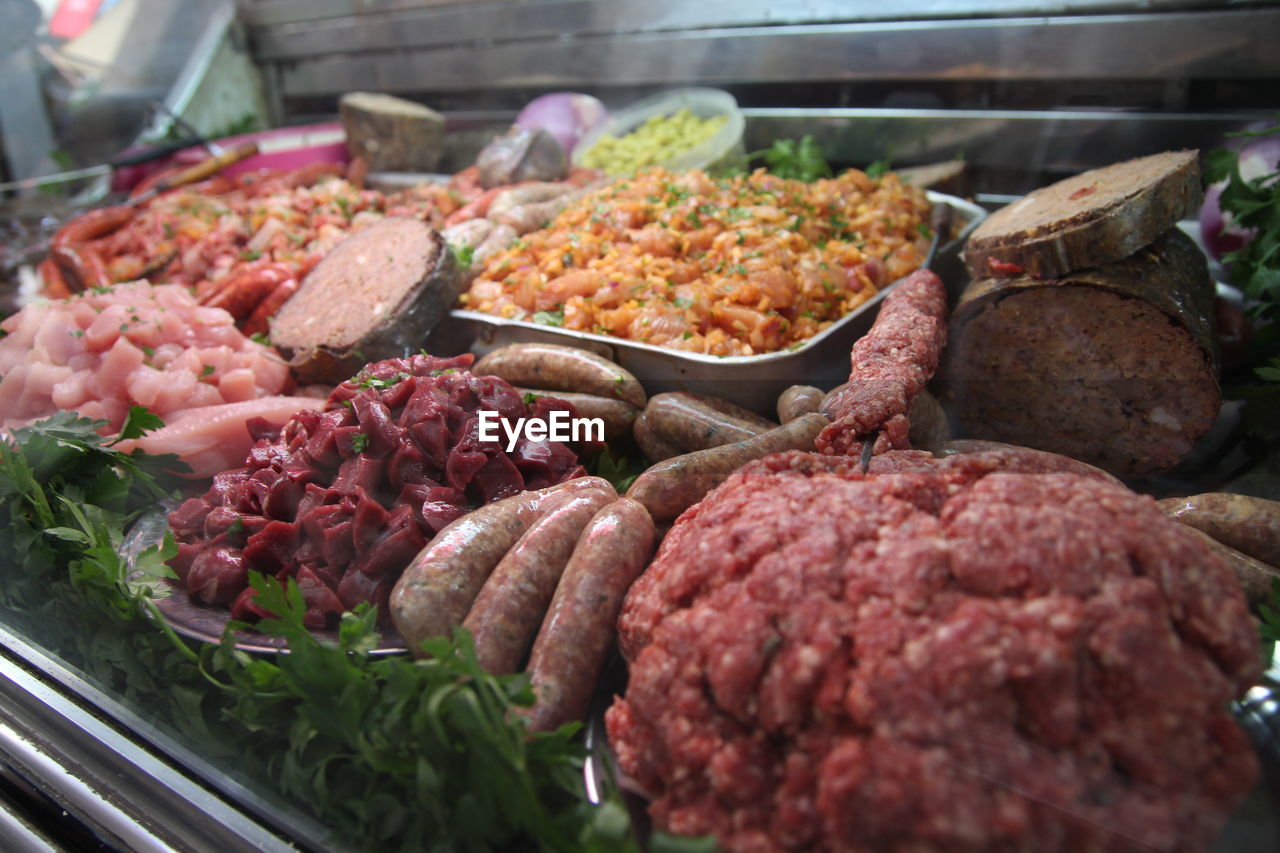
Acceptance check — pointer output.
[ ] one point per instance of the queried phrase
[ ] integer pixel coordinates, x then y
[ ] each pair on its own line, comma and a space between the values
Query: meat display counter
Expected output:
110, 733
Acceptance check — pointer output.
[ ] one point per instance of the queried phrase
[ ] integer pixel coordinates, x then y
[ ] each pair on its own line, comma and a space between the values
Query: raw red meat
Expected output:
344, 498
964, 653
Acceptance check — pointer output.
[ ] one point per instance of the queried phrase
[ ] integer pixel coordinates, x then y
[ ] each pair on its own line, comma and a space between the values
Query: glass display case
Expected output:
1023, 92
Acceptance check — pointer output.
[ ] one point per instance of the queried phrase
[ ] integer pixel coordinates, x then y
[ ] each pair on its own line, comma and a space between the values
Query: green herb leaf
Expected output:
464, 256
139, 422
878, 169
549, 318
621, 471
801, 161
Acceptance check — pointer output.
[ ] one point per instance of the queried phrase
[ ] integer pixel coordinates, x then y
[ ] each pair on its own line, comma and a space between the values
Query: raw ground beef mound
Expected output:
947, 654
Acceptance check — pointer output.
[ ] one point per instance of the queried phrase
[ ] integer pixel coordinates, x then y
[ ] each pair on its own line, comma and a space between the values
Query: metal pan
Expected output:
753, 381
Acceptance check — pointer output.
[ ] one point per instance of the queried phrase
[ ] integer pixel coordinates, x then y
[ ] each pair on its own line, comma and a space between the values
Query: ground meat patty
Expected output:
946, 654
890, 366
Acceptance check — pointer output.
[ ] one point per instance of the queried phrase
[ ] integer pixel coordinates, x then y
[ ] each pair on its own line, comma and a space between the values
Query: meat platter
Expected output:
753, 381
843, 619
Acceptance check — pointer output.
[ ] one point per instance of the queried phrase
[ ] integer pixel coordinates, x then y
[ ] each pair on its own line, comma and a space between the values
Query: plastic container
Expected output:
722, 152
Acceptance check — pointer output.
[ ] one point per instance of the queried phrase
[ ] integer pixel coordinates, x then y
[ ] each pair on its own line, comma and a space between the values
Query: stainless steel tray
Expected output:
753, 381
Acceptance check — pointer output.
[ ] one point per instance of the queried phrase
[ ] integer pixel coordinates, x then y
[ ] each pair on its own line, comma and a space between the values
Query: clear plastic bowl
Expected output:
721, 153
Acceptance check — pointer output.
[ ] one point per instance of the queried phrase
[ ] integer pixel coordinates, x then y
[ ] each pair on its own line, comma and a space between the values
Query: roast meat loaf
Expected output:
374, 296
1116, 365
390, 133
1087, 220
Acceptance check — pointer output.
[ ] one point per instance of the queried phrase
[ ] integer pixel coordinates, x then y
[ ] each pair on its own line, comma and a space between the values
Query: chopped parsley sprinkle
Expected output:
549, 318
359, 442
374, 382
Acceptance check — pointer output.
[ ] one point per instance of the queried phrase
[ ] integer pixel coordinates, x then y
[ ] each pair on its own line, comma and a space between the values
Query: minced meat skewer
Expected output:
890, 366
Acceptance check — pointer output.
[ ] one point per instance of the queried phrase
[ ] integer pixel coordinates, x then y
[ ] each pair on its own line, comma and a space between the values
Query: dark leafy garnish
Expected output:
621, 471
1261, 410
801, 161
878, 169
1269, 615
389, 752
1253, 204
138, 422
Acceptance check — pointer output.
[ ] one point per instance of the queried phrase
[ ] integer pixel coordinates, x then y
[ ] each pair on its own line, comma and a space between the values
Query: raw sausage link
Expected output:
55, 284
501, 237
467, 235
260, 320
1247, 524
669, 488
241, 293
438, 587
618, 415
579, 627
477, 208
798, 400
91, 225
510, 606
530, 193
828, 408
693, 422
81, 266
1255, 576
561, 368
654, 447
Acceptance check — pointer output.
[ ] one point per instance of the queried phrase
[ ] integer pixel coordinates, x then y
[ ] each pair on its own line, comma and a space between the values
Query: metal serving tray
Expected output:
753, 381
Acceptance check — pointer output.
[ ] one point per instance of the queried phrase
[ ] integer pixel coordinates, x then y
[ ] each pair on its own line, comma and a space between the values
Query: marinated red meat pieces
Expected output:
944, 654
890, 366
344, 498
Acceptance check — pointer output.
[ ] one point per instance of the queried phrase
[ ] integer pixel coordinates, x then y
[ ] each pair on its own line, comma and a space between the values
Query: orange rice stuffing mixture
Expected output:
737, 266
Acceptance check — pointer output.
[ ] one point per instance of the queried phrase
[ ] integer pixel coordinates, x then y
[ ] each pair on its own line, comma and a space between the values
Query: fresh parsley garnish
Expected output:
389, 752
375, 382
801, 161
463, 254
1253, 204
359, 442
878, 169
621, 470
